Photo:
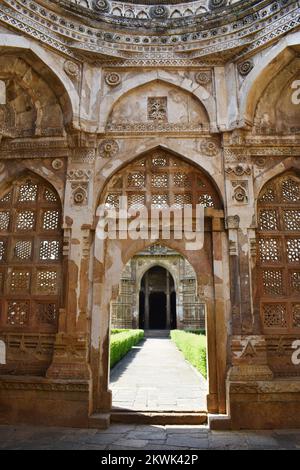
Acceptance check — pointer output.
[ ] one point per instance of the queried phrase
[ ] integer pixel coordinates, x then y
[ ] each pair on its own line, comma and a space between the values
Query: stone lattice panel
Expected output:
275, 315
19, 281
46, 282
4, 220
293, 250
23, 250
50, 219
30, 260
25, 221
273, 282
165, 179
279, 256
49, 250
47, 313
18, 313
268, 219
28, 192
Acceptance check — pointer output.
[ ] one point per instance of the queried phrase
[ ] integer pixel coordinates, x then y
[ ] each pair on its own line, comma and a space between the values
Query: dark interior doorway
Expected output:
157, 302
158, 310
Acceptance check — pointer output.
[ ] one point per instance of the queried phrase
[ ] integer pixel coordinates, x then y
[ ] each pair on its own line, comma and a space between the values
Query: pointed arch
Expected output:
264, 70
202, 96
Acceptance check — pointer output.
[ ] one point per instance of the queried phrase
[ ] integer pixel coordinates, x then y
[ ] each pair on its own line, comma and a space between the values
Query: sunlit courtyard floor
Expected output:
155, 376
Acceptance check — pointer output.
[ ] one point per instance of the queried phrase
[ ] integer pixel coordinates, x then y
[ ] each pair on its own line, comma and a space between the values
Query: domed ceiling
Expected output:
163, 30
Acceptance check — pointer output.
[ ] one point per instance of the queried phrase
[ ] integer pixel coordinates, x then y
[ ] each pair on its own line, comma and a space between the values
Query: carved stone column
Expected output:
71, 349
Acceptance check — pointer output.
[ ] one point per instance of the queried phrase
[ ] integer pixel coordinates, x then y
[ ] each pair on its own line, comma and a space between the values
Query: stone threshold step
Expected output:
158, 417
157, 333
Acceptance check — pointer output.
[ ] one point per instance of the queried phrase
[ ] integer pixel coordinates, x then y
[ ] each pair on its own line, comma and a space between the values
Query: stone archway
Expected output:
209, 262
157, 310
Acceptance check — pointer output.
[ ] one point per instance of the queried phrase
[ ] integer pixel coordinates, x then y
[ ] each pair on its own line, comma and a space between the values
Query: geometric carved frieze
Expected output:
240, 191
42, 384
238, 170
79, 185
83, 155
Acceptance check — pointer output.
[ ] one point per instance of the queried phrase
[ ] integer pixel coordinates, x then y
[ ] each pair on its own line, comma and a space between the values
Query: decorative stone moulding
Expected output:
108, 148
71, 69
80, 193
57, 164
112, 79
240, 191
213, 4
245, 67
159, 12
203, 78
209, 148
83, 175
101, 5
239, 170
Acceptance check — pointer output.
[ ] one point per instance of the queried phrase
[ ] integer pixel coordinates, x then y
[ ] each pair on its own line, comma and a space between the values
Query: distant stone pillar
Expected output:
168, 319
147, 313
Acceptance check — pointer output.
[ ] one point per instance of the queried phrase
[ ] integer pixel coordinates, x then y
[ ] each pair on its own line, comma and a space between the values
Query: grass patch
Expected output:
193, 347
122, 342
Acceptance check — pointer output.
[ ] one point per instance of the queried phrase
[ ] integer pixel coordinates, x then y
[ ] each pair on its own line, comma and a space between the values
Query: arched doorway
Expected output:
157, 306
158, 179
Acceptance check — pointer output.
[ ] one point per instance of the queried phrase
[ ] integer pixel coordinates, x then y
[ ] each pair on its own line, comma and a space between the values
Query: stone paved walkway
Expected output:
131, 437
155, 376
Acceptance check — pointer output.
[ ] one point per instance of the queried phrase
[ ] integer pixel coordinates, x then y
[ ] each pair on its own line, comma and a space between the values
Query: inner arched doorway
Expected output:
157, 300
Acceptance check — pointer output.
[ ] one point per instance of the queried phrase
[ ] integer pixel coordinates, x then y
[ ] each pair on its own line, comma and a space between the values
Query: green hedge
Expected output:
193, 347
115, 331
196, 332
121, 343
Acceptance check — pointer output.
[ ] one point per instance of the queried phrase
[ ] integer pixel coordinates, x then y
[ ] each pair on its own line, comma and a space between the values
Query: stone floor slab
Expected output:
155, 376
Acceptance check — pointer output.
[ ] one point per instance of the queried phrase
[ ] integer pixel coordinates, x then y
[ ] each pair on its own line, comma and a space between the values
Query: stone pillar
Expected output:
147, 310
220, 287
168, 319
71, 349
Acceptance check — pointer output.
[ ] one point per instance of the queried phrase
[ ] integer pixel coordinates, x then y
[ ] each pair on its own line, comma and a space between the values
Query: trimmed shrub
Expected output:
115, 331
196, 332
193, 347
121, 343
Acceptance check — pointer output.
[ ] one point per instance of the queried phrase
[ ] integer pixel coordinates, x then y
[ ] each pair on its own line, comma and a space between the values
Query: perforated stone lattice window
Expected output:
272, 281
6, 198
25, 220
30, 256
275, 315
4, 220
23, 250
49, 250
165, 179
50, 220
18, 313
291, 220
47, 313
19, 281
2, 250
279, 253
46, 282
160, 180
268, 219
28, 192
